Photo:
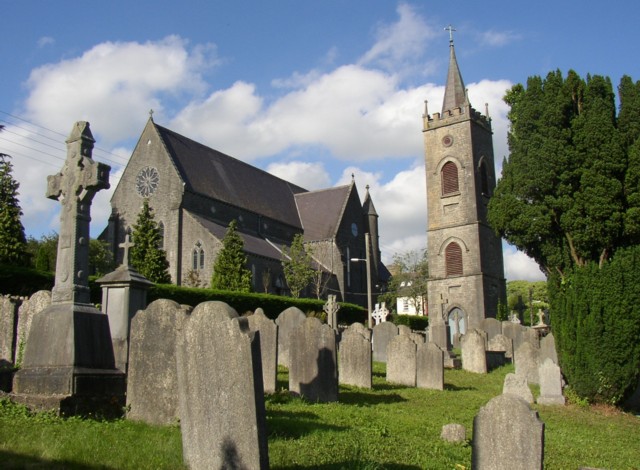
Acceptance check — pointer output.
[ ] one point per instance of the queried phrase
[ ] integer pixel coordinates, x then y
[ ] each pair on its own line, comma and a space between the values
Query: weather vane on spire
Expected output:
451, 29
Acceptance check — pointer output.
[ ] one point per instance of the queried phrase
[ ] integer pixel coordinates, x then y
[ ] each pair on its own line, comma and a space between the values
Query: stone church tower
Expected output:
465, 256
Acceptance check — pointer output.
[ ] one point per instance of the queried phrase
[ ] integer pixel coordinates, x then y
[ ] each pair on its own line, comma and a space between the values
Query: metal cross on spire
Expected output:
451, 29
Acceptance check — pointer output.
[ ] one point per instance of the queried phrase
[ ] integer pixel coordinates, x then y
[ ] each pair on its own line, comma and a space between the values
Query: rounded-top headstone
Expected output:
287, 321
216, 310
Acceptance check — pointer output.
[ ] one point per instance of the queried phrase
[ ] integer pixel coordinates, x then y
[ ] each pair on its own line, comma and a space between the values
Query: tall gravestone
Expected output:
527, 362
268, 348
68, 360
507, 435
492, 326
548, 348
287, 321
401, 361
313, 371
152, 381
8, 329
354, 359
382, 335
474, 358
222, 412
429, 366
550, 384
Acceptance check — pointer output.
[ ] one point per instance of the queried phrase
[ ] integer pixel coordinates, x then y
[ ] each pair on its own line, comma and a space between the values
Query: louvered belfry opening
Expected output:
453, 259
449, 176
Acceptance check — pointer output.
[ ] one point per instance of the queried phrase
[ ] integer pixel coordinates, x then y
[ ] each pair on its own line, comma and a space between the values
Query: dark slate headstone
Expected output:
268, 348
507, 435
152, 383
354, 359
313, 373
222, 412
474, 358
430, 366
492, 326
401, 361
382, 334
287, 321
527, 362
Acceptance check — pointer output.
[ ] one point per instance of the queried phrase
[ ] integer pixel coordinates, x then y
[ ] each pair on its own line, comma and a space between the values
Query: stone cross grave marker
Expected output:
380, 313
331, 309
75, 186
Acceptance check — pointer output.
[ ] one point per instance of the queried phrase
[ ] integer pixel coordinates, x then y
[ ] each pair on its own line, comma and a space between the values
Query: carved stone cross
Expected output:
331, 309
126, 245
380, 313
75, 186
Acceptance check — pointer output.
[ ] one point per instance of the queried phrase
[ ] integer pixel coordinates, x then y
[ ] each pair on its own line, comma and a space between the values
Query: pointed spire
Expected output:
368, 207
455, 94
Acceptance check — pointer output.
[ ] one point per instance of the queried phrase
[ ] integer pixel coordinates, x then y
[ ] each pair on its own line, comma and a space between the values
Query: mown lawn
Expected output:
390, 427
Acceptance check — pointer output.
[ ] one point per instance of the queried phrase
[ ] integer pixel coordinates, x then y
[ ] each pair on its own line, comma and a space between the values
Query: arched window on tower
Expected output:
449, 177
453, 259
484, 178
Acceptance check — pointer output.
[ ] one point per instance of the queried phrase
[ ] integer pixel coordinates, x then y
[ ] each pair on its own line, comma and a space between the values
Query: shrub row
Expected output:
595, 315
415, 322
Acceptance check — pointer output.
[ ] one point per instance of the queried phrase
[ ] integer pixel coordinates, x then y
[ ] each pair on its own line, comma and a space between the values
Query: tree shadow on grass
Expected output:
364, 398
353, 465
293, 425
455, 388
10, 460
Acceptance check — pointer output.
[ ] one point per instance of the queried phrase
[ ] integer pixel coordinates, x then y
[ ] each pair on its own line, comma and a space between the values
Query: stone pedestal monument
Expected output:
68, 360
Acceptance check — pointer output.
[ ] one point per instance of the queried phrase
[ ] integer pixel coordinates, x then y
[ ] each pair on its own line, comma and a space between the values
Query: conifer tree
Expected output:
13, 242
146, 255
297, 267
229, 269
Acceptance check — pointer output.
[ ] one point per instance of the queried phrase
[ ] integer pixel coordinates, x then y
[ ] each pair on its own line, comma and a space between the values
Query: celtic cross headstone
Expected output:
331, 309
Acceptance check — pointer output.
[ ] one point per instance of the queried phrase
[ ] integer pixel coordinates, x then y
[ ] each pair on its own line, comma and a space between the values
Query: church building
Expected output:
195, 192
466, 273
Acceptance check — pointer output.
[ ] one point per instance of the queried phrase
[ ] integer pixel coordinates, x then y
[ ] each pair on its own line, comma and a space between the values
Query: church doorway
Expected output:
457, 326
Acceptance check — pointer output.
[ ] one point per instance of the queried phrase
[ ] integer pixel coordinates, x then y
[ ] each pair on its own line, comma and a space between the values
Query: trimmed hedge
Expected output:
595, 316
21, 281
415, 322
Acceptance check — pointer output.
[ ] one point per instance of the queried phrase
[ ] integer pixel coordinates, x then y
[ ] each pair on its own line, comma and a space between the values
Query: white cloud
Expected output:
518, 266
46, 41
307, 175
497, 38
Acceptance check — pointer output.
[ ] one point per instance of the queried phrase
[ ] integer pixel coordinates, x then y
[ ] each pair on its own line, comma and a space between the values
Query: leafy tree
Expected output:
229, 269
13, 242
146, 256
101, 259
562, 198
297, 266
409, 279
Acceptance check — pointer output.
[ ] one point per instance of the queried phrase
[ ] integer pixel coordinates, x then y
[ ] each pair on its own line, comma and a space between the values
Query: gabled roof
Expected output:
218, 176
321, 211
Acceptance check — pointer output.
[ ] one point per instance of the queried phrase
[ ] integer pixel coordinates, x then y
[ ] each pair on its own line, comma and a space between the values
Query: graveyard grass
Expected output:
390, 427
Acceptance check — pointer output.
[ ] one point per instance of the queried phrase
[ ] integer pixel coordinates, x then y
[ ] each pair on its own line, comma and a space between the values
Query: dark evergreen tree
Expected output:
13, 242
146, 256
229, 270
296, 264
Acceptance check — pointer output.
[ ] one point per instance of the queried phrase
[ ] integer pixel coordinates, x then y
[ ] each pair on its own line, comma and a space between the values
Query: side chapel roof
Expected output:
321, 211
218, 176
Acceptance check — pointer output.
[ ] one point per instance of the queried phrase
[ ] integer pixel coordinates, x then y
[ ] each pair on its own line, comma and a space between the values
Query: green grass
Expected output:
389, 427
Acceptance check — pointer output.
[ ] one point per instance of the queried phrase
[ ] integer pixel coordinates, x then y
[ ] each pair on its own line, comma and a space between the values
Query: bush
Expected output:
20, 281
596, 321
415, 322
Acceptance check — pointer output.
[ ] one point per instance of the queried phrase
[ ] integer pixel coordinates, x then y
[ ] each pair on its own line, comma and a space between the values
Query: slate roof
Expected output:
321, 211
218, 176
252, 244
455, 94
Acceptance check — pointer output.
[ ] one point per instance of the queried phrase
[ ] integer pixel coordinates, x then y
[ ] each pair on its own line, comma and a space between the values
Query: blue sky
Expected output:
312, 91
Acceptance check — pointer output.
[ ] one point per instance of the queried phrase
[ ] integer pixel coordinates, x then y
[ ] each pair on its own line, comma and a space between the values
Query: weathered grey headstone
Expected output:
34, 304
382, 334
287, 321
222, 413
531, 335
453, 433
526, 362
517, 385
360, 328
417, 337
313, 373
501, 343
8, 329
68, 356
404, 330
507, 435
152, 381
429, 366
548, 348
492, 326
354, 359
268, 348
401, 361
550, 384
513, 331
439, 334
474, 358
